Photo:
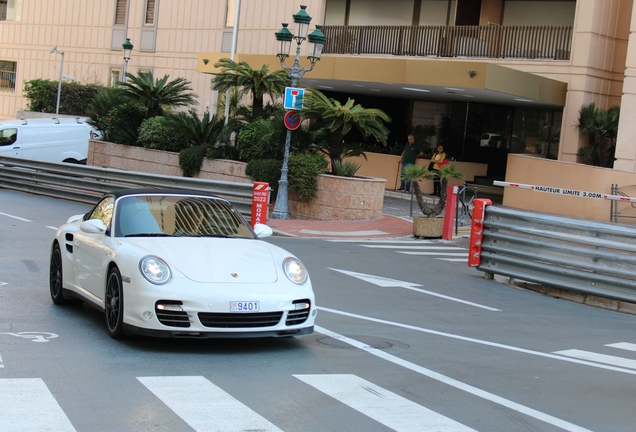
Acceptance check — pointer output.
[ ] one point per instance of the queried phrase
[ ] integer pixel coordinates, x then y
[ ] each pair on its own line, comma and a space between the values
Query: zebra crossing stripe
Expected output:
26, 404
204, 406
623, 345
599, 358
381, 405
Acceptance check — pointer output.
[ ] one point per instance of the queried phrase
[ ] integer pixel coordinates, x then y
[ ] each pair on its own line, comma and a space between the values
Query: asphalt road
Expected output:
405, 340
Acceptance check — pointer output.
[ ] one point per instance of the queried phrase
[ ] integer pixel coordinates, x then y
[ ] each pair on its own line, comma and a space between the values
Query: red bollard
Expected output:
477, 231
260, 203
449, 212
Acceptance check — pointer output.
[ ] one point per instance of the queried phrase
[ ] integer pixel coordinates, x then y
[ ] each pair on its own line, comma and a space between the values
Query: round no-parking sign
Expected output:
292, 120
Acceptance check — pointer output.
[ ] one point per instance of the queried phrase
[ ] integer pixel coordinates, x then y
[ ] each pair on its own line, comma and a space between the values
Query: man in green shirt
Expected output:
412, 151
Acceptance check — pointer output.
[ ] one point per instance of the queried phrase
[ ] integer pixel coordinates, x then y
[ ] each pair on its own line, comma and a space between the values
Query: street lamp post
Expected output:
284, 39
127, 46
59, 84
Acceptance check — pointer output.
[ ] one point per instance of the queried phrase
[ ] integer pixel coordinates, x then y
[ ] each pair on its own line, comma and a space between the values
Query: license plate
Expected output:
244, 306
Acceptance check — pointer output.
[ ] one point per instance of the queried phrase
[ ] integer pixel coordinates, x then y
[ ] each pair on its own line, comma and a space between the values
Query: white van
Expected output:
47, 139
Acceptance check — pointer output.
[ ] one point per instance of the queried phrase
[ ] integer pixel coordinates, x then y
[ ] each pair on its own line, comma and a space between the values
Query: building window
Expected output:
120, 12
10, 10
231, 12
7, 76
150, 12
115, 76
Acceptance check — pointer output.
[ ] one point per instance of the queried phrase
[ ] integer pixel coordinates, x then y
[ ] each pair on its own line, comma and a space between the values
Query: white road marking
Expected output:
600, 358
204, 406
546, 418
15, 217
1, 363
479, 341
28, 405
52, 227
386, 282
341, 233
383, 406
455, 259
623, 345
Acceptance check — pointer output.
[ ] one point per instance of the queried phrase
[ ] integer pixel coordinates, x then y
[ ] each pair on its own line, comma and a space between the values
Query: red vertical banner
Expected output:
449, 212
477, 231
260, 203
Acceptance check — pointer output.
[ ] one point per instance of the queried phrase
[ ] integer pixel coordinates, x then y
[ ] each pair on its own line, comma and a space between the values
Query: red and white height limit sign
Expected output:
260, 203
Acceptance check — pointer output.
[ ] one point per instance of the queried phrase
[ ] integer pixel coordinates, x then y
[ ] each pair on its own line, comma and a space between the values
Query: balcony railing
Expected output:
7, 81
514, 42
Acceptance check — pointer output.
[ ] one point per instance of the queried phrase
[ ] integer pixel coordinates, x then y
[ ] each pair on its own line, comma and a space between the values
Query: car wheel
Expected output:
114, 304
55, 277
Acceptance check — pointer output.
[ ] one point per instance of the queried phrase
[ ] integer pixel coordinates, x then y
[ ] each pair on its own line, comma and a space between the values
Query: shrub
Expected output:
74, 97
265, 170
303, 172
191, 159
345, 169
303, 169
123, 123
157, 133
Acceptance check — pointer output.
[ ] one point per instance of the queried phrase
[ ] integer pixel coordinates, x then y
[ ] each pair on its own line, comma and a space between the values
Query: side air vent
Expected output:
300, 314
170, 313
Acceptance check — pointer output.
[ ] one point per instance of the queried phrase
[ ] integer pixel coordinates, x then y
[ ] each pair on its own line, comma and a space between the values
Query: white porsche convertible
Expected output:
174, 264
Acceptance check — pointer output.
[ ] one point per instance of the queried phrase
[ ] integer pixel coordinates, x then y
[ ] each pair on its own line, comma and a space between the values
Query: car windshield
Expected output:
178, 216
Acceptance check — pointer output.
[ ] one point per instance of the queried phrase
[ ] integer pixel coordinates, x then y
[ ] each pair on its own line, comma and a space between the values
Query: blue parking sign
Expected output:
294, 98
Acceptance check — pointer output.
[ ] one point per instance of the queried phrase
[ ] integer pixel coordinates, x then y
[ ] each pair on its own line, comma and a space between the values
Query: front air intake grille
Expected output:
298, 316
169, 317
240, 320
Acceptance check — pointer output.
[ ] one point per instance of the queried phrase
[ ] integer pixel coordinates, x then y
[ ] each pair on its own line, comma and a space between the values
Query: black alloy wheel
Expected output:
114, 304
55, 276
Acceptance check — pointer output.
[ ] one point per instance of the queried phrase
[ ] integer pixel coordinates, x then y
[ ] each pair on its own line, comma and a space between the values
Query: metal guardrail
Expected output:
579, 255
86, 184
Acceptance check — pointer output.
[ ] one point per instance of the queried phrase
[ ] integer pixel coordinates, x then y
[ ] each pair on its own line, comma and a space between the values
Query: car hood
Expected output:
214, 260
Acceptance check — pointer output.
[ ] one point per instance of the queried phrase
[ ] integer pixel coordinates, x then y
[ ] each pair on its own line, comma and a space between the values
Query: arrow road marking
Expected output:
386, 283
34, 336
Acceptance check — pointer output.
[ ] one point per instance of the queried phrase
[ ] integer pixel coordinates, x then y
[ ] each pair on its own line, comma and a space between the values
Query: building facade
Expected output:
502, 76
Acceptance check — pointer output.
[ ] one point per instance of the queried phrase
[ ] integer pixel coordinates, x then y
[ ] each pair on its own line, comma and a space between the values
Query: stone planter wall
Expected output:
337, 198
341, 198
105, 154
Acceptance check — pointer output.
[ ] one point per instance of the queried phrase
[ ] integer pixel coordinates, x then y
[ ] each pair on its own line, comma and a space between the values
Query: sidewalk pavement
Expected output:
386, 227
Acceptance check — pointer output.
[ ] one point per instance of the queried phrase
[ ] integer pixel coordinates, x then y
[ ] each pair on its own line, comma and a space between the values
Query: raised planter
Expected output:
119, 156
341, 198
337, 198
426, 227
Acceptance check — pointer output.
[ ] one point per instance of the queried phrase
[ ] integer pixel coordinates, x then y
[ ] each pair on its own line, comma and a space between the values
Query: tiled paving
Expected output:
394, 223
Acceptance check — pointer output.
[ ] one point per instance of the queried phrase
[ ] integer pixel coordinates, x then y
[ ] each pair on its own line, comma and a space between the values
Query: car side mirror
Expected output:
262, 230
93, 226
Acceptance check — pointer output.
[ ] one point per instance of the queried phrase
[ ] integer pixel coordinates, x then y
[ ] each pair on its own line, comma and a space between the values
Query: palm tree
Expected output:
204, 131
258, 82
160, 94
415, 173
602, 128
339, 119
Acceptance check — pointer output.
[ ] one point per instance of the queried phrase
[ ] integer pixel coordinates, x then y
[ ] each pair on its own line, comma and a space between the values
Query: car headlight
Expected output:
155, 270
295, 270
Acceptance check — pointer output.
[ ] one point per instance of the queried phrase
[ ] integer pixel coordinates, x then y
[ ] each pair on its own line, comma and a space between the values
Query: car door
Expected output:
9, 143
91, 251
